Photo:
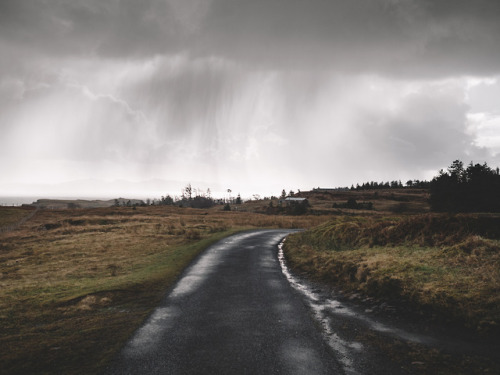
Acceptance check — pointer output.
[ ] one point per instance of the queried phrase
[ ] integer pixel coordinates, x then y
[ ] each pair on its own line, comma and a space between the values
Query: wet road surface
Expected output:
376, 338
232, 312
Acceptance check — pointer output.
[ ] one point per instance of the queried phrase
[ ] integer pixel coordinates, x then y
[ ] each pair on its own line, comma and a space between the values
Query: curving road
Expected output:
232, 312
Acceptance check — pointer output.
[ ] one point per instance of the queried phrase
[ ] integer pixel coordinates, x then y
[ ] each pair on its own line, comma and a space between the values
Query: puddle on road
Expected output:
300, 359
326, 308
344, 349
148, 336
198, 273
206, 265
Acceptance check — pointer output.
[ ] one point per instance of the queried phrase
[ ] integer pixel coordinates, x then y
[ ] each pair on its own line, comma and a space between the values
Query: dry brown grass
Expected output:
384, 201
446, 264
13, 215
74, 284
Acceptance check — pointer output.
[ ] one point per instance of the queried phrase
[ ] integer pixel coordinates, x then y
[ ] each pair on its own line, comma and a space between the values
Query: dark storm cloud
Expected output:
403, 37
298, 33
188, 95
111, 28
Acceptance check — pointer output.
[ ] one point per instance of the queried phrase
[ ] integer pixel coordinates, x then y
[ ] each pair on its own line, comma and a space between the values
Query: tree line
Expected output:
472, 189
197, 198
475, 188
396, 184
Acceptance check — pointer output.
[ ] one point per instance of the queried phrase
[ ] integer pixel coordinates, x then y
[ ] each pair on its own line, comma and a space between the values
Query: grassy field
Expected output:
13, 215
74, 284
399, 201
446, 265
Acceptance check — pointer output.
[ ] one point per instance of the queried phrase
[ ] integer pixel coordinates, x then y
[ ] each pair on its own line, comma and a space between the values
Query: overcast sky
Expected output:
254, 96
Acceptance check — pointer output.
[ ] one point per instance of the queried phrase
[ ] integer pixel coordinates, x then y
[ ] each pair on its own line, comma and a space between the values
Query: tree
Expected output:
201, 202
166, 201
297, 208
187, 193
238, 199
283, 194
474, 189
456, 171
351, 203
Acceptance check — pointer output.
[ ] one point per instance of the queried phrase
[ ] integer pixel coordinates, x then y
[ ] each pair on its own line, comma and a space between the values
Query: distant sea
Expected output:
17, 201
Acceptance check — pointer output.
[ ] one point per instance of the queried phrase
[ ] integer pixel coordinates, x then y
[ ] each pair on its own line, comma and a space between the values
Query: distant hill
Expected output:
402, 200
82, 203
346, 201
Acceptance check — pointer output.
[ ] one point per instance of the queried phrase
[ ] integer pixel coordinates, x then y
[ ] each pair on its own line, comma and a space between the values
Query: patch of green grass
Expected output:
76, 325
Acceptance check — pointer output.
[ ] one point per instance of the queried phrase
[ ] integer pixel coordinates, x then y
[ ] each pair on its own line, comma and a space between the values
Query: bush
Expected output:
192, 234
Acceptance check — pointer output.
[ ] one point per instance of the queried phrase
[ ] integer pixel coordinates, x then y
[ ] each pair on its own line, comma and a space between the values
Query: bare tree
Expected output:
187, 193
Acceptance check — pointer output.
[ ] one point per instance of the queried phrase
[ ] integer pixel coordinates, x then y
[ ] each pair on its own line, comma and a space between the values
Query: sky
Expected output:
114, 97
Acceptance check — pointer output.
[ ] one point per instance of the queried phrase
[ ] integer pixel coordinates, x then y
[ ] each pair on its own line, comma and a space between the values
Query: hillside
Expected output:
323, 202
367, 202
82, 203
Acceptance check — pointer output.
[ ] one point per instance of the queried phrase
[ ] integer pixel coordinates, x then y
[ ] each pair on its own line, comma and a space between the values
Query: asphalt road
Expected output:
232, 312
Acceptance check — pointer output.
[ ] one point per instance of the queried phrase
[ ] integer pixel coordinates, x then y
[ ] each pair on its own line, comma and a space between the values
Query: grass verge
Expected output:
448, 266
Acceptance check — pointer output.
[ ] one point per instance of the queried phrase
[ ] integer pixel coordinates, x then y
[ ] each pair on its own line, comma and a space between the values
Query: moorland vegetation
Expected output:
78, 277
445, 265
445, 259
76, 282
